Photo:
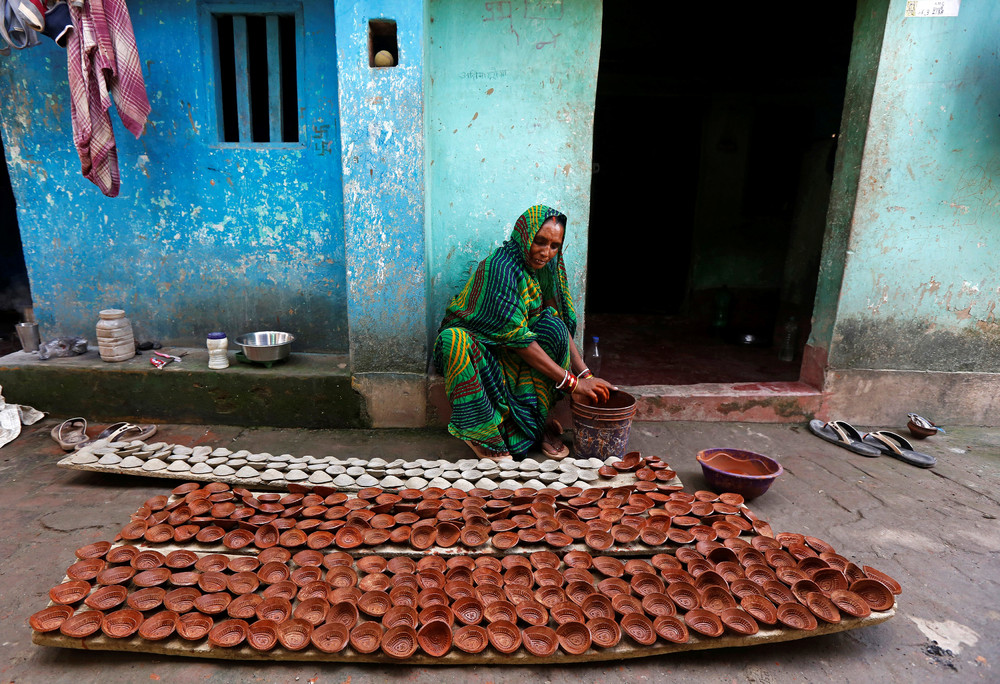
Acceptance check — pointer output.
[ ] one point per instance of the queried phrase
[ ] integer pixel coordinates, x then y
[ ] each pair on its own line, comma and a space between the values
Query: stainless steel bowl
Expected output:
266, 345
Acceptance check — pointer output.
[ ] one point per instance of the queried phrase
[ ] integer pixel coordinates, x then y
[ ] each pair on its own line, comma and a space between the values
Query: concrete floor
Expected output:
935, 531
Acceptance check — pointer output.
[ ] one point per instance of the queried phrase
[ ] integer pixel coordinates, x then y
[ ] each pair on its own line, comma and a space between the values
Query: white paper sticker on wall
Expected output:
932, 8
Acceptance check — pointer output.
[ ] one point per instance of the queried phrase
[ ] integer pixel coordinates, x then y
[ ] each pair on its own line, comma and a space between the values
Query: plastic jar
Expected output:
114, 336
218, 346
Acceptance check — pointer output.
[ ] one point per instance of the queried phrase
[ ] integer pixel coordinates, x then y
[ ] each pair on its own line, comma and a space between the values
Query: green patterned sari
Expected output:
499, 401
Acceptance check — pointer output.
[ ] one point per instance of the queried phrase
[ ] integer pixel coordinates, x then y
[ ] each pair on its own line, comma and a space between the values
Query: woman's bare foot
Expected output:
483, 452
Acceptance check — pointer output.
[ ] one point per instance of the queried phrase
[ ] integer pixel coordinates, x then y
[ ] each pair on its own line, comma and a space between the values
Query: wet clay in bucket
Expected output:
601, 431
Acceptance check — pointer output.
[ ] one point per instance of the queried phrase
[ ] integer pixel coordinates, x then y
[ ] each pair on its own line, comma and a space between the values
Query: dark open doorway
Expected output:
15, 294
714, 141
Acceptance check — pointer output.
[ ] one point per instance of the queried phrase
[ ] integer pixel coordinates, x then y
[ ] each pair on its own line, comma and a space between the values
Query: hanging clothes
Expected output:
103, 62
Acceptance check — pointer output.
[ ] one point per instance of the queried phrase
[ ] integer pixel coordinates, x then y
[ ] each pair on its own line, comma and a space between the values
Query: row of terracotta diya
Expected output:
646, 513
540, 601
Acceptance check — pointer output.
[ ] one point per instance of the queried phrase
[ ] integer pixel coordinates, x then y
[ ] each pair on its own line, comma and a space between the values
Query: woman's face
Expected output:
546, 245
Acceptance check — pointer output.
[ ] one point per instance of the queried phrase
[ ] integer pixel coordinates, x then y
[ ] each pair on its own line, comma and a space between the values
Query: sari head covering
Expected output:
505, 296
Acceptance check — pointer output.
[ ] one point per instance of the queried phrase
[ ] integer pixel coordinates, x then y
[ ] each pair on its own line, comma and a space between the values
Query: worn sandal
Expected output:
843, 434
120, 432
551, 443
483, 452
70, 432
897, 446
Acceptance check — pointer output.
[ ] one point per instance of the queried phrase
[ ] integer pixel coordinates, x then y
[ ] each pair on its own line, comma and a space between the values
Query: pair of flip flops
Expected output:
71, 434
872, 444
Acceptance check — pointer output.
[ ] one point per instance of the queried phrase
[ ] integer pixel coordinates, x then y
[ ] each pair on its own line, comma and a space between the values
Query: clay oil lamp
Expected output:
674, 575
375, 581
212, 581
438, 611
500, 611
504, 636
330, 638
237, 539
835, 560
86, 570
182, 489
180, 600
374, 603
487, 562
540, 640
276, 609
243, 583
435, 638
685, 595
604, 633
533, 613
671, 628
850, 603
475, 535
400, 615
471, 639
50, 619
679, 535
658, 604
764, 543
429, 578
704, 622
210, 534
548, 577
854, 573
519, 574
82, 624
194, 626
876, 594
262, 635
295, 634
342, 576
822, 607
880, 576
134, 530
401, 596
311, 590
608, 566
121, 554
739, 621
730, 571
159, 626
115, 574
294, 537
400, 642
106, 598
213, 604
266, 536
663, 561
829, 579
490, 593
345, 613
639, 628
518, 593
146, 599
644, 583
558, 539
157, 534
422, 538
228, 633
460, 573
215, 562
244, 607
274, 572
69, 592
760, 574
799, 591
796, 616
122, 623
578, 575
401, 565
790, 576
505, 540
760, 607
366, 637
184, 578
244, 564
777, 558
625, 603
313, 611
710, 578
597, 605
578, 591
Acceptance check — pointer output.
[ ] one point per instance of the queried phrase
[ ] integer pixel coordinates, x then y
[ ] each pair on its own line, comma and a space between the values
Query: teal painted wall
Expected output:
382, 139
921, 278
510, 115
205, 235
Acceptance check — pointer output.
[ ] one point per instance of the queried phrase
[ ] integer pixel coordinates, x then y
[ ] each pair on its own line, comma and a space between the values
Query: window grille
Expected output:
257, 78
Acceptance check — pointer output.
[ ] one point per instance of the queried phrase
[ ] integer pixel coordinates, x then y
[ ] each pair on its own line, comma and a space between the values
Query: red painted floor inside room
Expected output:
663, 350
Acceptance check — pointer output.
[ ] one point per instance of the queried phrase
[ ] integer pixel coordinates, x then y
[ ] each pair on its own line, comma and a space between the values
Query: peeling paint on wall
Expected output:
204, 235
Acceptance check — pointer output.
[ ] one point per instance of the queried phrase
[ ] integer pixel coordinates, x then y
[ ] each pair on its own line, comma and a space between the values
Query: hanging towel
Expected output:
103, 62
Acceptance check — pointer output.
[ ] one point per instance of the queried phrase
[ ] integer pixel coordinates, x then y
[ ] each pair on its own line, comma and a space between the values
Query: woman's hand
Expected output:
593, 390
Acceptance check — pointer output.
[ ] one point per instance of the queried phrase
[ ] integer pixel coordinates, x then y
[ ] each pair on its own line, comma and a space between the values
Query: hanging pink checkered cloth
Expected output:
101, 53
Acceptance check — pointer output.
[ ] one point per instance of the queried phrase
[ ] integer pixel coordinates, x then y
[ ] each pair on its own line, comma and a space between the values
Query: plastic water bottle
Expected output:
789, 340
592, 357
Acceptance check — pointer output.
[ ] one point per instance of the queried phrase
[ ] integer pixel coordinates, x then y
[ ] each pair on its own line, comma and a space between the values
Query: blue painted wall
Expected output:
921, 283
510, 120
383, 170
205, 235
